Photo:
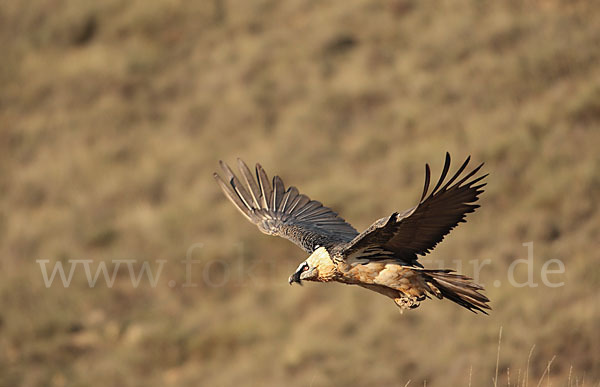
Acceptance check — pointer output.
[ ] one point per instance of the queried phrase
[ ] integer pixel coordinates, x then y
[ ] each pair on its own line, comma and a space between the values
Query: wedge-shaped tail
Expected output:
457, 288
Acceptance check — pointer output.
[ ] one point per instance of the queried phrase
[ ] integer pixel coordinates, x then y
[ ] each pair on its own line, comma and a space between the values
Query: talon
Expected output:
407, 302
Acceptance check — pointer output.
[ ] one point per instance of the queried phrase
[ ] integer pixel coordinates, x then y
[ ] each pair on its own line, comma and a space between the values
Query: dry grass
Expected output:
113, 115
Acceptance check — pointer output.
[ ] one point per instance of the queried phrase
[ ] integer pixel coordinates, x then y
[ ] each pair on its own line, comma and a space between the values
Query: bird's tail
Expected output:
457, 288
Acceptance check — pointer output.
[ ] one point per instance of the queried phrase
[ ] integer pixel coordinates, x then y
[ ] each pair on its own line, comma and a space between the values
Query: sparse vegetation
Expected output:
113, 116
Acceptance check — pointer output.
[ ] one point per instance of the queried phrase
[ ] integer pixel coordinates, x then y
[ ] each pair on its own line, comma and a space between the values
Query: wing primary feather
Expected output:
475, 181
237, 186
315, 212
241, 192
443, 175
427, 180
286, 213
284, 201
470, 174
265, 187
460, 170
302, 201
232, 196
278, 191
311, 205
294, 200
250, 182
228, 172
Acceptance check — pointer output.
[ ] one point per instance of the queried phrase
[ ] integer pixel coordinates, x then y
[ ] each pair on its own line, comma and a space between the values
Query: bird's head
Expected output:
318, 267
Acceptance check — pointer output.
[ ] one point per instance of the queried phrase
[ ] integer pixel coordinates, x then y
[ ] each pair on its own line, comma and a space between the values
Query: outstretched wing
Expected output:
419, 229
281, 212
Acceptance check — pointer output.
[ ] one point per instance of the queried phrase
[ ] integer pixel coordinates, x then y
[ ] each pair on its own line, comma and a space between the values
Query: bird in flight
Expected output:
383, 258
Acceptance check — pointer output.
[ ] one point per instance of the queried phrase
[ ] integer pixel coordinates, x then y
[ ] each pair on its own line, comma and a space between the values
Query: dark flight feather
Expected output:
281, 212
418, 230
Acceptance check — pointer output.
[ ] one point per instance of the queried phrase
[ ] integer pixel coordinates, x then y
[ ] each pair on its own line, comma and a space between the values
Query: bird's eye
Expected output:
305, 267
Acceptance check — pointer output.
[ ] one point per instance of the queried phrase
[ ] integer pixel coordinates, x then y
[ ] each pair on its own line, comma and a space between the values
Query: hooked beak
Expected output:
295, 278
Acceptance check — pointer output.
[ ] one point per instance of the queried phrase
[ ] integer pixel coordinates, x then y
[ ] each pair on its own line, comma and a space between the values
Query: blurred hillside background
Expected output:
113, 116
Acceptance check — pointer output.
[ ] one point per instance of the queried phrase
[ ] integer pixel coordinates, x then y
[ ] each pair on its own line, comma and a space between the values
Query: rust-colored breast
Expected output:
390, 275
